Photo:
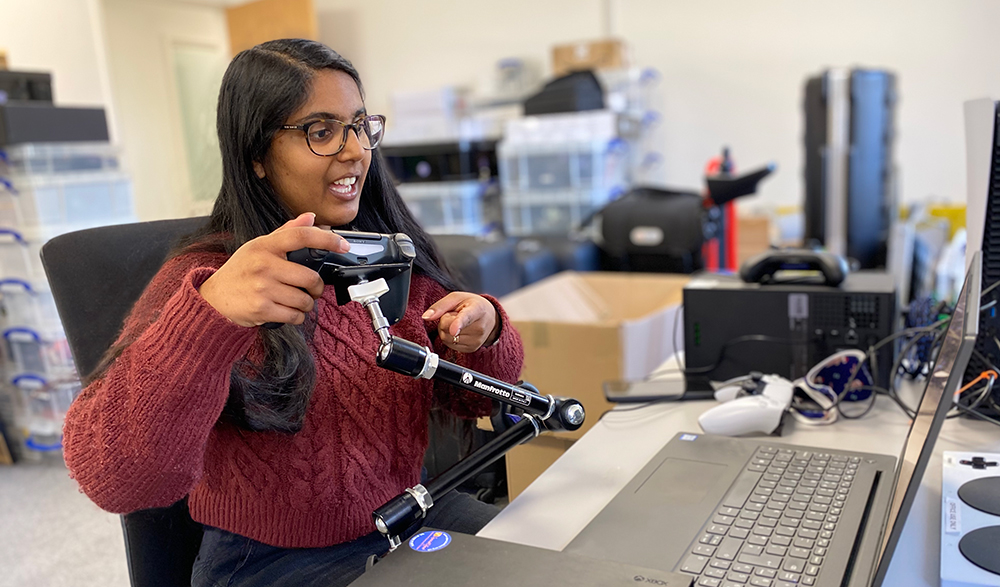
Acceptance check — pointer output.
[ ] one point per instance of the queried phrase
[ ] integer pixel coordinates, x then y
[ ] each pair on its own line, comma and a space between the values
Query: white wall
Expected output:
140, 34
115, 54
733, 72
407, 45
61, 37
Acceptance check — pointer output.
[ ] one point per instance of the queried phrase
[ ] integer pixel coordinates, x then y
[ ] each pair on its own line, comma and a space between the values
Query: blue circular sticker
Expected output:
430, 541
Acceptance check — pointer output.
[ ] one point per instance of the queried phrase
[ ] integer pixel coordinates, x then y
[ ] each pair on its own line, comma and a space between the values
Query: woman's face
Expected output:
330, 187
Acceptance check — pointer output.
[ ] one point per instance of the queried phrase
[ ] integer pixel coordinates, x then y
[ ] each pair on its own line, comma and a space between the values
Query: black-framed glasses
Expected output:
327, 137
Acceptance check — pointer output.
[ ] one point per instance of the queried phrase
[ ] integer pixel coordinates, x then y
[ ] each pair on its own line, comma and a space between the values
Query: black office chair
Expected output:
96, 276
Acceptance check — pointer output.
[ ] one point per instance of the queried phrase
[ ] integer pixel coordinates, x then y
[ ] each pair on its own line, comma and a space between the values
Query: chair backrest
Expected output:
96, 276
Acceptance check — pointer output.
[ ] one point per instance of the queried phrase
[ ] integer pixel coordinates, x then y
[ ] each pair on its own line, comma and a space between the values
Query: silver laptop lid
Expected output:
943, 381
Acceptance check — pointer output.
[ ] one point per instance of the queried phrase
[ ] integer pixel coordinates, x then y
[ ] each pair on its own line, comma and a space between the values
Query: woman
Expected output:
284, 440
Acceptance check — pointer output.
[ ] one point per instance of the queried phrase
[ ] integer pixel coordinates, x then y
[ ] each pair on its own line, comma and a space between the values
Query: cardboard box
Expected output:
582, 329
603, 54
526, 462
754, 237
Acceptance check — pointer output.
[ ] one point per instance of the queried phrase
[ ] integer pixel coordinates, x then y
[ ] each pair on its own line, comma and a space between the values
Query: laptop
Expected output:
745, 512
712, 511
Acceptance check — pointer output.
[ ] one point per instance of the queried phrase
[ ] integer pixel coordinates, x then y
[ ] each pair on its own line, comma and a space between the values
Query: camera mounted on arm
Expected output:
376, 273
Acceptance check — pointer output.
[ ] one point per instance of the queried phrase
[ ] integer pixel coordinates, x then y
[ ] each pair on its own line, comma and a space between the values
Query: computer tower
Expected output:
850, 198
732, 328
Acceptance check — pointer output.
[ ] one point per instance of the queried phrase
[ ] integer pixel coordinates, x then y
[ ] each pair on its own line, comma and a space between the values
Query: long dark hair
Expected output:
261, 88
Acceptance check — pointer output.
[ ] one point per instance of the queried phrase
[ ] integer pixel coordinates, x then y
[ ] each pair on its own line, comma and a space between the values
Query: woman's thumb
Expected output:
304, 219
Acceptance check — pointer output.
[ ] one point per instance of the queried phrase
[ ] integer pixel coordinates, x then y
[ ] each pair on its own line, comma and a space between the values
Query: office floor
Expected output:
52, 535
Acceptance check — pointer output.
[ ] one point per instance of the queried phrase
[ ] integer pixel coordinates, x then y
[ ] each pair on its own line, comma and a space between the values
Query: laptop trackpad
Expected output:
653, 520
681, 481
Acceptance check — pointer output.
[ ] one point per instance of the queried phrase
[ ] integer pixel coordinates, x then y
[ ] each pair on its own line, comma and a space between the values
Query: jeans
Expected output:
231, 560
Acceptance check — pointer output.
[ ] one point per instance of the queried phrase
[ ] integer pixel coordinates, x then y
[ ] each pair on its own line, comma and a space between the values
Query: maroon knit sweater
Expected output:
148, 433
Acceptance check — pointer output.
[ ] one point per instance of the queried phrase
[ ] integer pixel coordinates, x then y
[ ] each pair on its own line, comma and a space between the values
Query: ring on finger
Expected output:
454, 338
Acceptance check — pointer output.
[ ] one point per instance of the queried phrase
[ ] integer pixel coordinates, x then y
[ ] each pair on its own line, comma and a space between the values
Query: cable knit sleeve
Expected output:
503, 360
135, 438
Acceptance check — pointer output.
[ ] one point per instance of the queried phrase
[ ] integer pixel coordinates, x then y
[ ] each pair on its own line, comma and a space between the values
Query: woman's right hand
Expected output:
258, 284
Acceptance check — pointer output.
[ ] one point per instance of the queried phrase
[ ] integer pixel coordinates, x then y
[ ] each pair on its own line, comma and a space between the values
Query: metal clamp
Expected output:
552, 407
430, 365
423, 497
534, 422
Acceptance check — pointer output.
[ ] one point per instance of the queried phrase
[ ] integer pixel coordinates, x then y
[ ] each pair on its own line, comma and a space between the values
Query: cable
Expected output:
672, 399
903, 353
868, 408
870, 357
990, 374
870, 354
983, 395
991, 377
993, 403
985, 360
976, 414
991, 287
722, 351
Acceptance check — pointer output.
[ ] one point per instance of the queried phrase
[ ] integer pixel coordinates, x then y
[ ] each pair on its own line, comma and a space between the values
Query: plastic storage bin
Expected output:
28, 305
552, 214
591, 125
44, 409
46, 190
446, 207
44, 353
58, 158
77, 199
551, 188
526, 167
20, 254
20, 249
79, 184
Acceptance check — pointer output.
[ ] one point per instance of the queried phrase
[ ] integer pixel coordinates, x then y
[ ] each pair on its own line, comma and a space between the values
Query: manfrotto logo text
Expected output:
496, 390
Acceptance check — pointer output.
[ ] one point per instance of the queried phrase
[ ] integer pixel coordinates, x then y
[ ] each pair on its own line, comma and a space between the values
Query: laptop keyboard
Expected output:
775, 525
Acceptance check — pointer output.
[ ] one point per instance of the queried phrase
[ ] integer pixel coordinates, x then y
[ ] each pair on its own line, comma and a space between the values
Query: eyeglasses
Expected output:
327, 137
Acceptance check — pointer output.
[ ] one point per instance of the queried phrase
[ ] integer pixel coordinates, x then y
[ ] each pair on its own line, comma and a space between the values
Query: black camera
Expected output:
372, 256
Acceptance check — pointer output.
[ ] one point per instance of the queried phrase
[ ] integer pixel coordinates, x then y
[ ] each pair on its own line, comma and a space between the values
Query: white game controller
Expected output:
751, 414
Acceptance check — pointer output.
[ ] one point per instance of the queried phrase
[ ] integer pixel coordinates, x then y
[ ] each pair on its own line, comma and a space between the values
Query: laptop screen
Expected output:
943, 381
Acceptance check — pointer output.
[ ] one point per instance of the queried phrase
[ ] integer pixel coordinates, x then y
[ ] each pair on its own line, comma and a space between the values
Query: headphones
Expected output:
825, 385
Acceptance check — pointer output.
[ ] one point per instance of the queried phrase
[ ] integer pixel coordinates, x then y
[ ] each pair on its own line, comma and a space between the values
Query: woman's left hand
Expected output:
467, 321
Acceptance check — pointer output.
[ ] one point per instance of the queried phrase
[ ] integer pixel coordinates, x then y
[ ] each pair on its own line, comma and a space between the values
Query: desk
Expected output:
563, 500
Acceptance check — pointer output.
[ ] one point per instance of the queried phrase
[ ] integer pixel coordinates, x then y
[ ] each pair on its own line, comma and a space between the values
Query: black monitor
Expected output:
982, 146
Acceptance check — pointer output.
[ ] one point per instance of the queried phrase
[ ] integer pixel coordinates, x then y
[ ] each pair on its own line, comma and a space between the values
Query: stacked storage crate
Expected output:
447, 186
46, 189
442, 151
557, 169
634, 93
447, 207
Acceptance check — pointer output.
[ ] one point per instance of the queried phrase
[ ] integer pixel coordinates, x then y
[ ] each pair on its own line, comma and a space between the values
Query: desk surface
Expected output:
564, 499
